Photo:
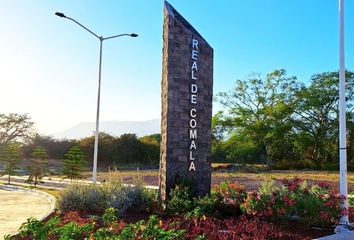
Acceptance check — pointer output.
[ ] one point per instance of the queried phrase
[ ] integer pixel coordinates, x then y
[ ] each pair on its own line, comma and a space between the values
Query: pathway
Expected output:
17, 206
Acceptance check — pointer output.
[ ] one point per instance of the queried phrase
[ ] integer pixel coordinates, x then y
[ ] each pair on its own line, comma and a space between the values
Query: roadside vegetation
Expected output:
116, 211
275, 154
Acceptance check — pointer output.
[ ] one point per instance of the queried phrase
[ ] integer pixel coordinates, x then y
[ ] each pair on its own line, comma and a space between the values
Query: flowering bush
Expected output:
231, 193
315, 205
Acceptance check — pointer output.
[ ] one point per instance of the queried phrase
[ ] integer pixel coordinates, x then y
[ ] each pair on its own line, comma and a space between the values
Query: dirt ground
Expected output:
250, 180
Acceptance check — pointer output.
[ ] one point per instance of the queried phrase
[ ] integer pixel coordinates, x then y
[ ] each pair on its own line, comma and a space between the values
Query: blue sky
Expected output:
49, 65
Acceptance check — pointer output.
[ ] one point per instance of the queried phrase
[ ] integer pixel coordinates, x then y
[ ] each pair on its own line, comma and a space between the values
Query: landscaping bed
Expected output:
293, 209
238, 227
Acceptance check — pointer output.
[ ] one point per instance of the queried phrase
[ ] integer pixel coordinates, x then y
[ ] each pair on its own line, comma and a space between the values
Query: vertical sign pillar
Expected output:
187, 88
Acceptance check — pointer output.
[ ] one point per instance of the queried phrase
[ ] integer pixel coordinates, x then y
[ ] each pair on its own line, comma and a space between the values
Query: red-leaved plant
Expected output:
314, 205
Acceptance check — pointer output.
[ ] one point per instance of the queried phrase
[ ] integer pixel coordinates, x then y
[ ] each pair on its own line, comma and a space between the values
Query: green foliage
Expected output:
279, 121
180, 199
9, 237
261, 110
37, 165
110, 215
73, 231
351, 200
150, 230
104, 234
10, 157
151, 148
240, 148
317, 116
207, 205
314, 205
54, 147
123, 150
42, 231
128, 149
73, 164
37, 229
223, 197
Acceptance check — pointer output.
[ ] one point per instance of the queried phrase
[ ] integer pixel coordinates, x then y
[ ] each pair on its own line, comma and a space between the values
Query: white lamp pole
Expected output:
343, 189
95, 154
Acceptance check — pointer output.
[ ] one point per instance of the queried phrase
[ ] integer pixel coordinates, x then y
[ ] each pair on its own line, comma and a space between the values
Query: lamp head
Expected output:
59, 14
134, 35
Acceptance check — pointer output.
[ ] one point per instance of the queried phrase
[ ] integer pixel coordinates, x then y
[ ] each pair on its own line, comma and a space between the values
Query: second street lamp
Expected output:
95, 154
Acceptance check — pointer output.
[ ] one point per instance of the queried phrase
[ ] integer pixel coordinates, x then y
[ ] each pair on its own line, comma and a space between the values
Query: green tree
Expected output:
128, 150
14, 126
218, 152
37, 165
106, 148
74, 162
10, 157
261, 111
151, 148
317, 116
54, 147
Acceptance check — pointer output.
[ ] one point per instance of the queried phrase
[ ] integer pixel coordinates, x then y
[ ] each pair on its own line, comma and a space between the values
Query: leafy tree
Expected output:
218, 152
151, 148
261, 111
106, 148
74, 162
247, 150
128, 150
37, 164
317, 116
10, 157
54, 147
14, 126
153, 138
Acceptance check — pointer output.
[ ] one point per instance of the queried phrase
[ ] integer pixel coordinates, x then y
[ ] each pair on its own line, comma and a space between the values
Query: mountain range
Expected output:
114, 128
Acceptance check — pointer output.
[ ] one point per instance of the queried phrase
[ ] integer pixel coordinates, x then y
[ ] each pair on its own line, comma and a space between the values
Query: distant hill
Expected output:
115, 128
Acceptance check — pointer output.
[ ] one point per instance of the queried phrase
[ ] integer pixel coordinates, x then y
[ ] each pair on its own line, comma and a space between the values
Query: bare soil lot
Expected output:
250, 180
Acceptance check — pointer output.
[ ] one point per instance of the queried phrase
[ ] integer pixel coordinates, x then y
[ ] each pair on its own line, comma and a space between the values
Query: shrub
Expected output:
314, 205
81, 197
180, 199
95, 198
231, 193
37, 229
110, 215
128, 197
225, 197
152, 229
73, 231
207, 205
103, 234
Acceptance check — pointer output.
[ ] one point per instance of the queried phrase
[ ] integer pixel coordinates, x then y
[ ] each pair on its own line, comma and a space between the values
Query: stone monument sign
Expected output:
187, 89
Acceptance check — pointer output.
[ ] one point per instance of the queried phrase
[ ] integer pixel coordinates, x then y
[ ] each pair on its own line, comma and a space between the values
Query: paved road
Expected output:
17, 206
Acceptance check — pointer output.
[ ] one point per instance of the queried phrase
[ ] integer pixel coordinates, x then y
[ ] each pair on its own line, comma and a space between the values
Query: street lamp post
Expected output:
95, 154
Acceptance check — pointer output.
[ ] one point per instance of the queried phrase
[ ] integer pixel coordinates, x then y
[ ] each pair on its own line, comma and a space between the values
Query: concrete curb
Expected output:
51, 199
339, 236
